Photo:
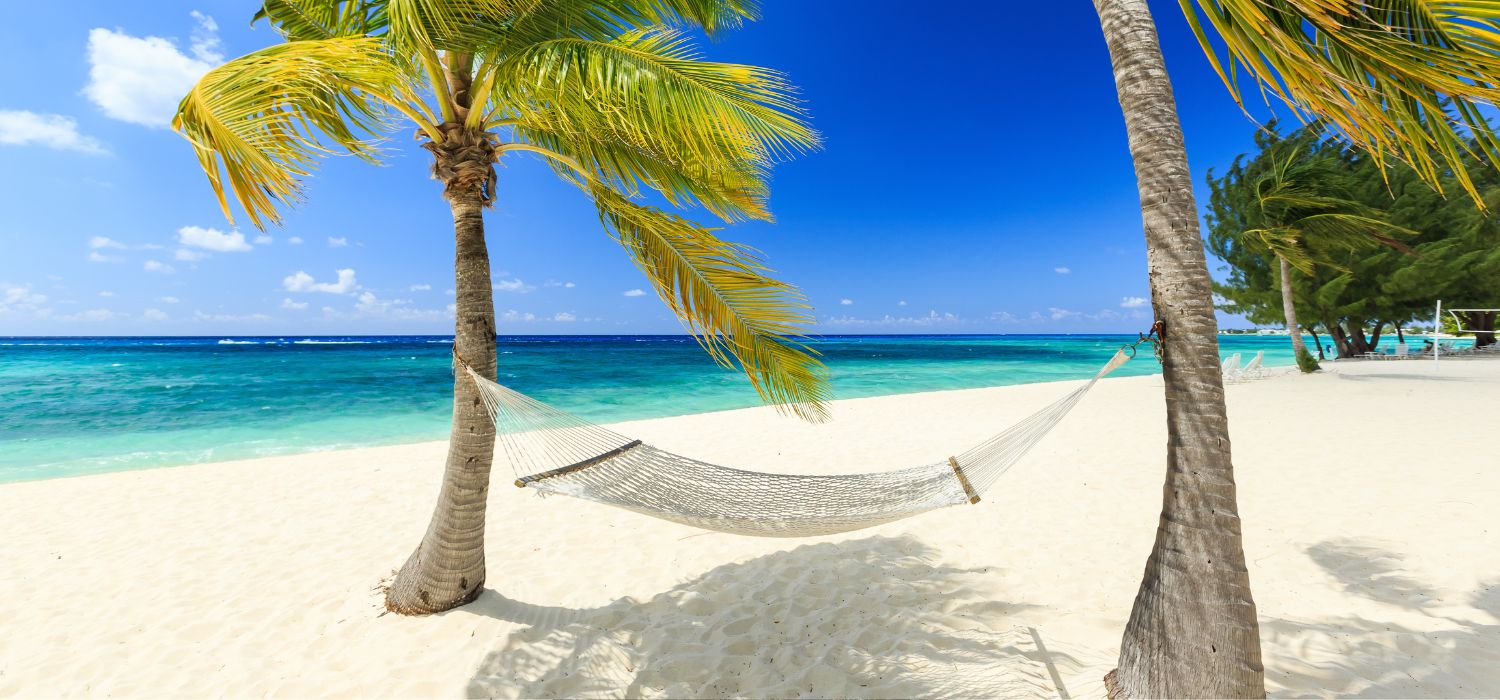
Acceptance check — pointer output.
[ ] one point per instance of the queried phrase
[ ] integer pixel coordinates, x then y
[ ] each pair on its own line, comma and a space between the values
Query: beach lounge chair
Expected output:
1231, 368
1254, 369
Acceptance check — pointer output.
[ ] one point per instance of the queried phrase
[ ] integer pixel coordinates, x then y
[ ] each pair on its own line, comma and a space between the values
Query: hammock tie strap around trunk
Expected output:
556, 452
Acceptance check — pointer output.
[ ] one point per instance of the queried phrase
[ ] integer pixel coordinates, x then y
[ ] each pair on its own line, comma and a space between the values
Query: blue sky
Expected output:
975, 179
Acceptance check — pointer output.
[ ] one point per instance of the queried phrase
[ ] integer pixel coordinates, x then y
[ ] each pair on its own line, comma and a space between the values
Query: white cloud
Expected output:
154, 315
564, 317
513, 285
1132, 302
163, 268
200, 316
98, 257
635, 292
932, 318
55, 131
340, 242
19, 298
1061, 270
141, 79
555, 283
420, 288
1003, 317
1058, 314
294, 240
90, 315
294, 305
106, 294
186, 255
569, 285
901, 303
846, 302
212, 239
303, 282
167, 300
263, 239
513, 315
98, 242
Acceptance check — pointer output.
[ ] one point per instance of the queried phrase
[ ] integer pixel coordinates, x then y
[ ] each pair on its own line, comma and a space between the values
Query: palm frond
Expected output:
546, 20
732, 190
260, 120
304, 20
647, 89
1406, 78
724, 295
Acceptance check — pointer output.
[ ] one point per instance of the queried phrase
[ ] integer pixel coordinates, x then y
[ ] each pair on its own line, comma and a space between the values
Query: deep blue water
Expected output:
83, 405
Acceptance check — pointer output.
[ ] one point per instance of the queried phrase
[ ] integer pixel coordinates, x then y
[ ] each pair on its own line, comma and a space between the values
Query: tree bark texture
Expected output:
448, 568
1193, 630
1289, 309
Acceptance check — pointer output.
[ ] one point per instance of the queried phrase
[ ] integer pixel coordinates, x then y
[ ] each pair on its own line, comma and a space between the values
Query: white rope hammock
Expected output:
558, 453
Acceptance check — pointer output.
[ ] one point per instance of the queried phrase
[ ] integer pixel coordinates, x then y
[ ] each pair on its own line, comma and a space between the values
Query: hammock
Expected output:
564, 454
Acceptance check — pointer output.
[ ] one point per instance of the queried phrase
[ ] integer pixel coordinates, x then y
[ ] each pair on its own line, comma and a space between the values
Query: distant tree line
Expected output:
1367, 250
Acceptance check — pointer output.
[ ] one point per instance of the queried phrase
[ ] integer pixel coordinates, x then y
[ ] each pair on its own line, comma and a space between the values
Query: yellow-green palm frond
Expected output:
259, 121
601, 21
304, 20
732, 190
1399, 77
647, 89
464, 26
724, 295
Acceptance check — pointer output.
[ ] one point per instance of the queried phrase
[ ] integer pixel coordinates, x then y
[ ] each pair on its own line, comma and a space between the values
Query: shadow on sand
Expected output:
876, 617
1381, 658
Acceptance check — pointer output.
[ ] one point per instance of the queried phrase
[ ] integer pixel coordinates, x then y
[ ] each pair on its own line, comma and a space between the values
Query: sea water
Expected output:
71, 406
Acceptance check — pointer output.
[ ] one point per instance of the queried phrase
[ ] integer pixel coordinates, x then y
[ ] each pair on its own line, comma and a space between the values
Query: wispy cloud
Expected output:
1132, 302
931, 319
564, 317
420, 288
158, 267
635, 292
846, 302
55, 131
141, 79
513, 285
302, 282
293, 305
212, 239
1062, 270
339, 242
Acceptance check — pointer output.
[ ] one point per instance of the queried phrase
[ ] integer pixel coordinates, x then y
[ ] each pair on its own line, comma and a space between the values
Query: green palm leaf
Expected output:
723, 294
1401, 77
647, 89
260, 120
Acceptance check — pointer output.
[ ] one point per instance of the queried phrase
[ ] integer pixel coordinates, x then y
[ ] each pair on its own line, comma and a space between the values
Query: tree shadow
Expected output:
876, 617
1370, 572
1350, 656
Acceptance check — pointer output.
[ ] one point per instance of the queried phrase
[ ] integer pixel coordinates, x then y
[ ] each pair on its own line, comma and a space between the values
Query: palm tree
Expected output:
1303, 201
1387, 74
611, 94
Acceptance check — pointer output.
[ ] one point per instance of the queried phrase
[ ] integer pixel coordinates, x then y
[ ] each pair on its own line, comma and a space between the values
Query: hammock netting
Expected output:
555, 452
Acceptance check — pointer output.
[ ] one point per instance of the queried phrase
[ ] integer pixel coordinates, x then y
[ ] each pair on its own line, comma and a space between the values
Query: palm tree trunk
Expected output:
1193, 630
447, 569
1290, 309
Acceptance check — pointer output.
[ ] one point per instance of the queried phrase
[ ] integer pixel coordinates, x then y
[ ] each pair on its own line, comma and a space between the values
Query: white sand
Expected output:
1376, 568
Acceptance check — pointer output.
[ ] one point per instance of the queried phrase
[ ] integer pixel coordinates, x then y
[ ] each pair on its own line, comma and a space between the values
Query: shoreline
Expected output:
612, 425
258, 577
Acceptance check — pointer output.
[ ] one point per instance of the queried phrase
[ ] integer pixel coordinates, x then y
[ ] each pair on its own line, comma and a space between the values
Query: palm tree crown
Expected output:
610, 92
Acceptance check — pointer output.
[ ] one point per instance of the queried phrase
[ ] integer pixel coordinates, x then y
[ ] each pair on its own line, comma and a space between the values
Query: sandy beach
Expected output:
1368, 495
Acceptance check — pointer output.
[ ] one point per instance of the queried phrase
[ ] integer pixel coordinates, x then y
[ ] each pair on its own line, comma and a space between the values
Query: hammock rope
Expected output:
555, 452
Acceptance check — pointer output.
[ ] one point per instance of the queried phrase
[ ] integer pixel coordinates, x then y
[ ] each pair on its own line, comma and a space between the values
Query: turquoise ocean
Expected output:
71, 406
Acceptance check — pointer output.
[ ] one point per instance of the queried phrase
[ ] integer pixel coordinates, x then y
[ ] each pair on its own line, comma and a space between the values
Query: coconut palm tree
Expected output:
611, 94
1397, 77
1302, 201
